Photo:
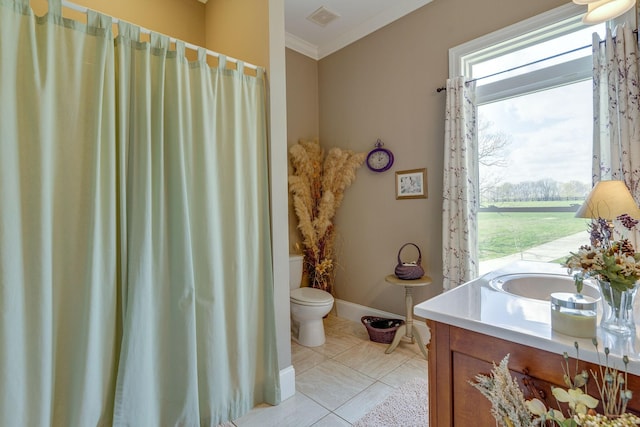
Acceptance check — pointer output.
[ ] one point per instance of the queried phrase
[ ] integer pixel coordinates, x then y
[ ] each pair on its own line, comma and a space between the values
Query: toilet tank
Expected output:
295, 270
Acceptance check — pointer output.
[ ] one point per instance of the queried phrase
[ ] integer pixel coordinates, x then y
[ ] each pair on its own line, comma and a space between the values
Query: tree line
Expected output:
540, 190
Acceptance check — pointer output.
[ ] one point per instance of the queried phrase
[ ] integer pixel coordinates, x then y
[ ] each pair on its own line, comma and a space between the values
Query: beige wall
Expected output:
383, 86
302, 114
302, 97
239, 29
181, 19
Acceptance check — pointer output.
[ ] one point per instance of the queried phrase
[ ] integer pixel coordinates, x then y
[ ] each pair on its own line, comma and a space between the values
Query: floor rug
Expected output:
405, 407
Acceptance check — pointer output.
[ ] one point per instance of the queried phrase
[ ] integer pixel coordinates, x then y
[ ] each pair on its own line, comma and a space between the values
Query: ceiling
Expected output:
356, 19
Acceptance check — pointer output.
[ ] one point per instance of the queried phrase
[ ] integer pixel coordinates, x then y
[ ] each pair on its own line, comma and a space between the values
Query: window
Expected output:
534, 96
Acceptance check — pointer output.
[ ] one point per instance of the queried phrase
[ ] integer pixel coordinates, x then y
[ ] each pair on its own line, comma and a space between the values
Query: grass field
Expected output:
502, 234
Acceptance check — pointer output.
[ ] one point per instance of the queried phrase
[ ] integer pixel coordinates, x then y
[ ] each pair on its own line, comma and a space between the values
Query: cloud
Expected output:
551, 133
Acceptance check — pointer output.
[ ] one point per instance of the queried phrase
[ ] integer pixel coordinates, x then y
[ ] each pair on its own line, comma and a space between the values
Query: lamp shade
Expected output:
603, 10
609, 200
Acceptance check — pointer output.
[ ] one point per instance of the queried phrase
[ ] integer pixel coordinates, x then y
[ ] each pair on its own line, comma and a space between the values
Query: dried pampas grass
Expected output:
317, 185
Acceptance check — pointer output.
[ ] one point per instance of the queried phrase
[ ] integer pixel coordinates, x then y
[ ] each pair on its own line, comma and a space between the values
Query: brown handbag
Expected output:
409, 270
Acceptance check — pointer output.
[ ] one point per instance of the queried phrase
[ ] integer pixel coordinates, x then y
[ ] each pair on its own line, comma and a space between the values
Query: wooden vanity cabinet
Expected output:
457, 355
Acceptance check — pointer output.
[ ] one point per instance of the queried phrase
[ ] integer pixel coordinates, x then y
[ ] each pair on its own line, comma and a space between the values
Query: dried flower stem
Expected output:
612, 385
503, 391
317, 186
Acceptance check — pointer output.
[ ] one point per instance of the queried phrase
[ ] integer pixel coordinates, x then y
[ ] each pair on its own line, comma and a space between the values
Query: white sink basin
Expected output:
540, 286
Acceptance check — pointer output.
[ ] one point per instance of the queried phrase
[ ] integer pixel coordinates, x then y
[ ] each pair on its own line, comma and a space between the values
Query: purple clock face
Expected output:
379, 160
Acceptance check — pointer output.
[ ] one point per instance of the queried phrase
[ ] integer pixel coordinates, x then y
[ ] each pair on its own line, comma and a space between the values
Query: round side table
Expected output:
408, 332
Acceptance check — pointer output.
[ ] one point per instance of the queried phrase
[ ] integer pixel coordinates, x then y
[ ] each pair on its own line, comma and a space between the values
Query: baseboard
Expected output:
287, 383
352, 311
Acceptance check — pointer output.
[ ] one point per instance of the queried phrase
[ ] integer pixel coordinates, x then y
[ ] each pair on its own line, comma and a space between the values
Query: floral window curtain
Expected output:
616, 141
460, 189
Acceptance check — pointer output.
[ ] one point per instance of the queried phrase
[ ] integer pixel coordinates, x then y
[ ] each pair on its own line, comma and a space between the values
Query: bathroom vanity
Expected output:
480, 322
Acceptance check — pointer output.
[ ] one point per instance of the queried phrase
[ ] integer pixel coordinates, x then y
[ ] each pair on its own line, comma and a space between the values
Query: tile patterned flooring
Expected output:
340, 381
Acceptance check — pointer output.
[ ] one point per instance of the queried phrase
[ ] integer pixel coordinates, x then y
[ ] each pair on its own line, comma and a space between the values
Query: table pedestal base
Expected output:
411, 337
408, 332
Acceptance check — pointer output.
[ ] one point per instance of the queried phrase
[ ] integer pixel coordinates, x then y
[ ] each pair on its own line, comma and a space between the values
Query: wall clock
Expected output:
379, 159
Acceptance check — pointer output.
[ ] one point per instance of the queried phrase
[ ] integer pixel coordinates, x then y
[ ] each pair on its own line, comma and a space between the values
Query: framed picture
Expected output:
411, 184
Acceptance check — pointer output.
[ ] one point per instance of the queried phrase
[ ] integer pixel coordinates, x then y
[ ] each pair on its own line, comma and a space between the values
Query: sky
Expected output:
550, 132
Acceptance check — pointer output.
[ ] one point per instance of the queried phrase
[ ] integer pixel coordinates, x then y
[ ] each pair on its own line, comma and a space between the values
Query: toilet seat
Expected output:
310, 296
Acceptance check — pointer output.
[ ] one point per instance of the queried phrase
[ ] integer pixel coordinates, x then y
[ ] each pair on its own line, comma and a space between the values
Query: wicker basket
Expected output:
381, 329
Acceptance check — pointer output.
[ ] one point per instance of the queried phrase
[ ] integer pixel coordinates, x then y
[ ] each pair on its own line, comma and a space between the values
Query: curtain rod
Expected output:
497, 73
84, 9
440, 89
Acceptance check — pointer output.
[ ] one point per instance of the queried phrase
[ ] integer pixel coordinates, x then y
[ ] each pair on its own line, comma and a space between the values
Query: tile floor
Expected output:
340, 381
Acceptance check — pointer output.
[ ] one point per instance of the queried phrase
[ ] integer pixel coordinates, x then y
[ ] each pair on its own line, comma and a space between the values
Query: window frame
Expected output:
514, 37
557, 22
545, 26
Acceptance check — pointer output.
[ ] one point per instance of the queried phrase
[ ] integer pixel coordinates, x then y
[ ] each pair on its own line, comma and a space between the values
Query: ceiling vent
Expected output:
322, 16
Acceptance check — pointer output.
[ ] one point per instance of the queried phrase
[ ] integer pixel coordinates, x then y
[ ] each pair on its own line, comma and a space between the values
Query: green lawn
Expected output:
502, 234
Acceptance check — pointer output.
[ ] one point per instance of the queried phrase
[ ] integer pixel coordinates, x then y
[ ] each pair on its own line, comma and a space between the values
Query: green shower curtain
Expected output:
135, 265
196, 274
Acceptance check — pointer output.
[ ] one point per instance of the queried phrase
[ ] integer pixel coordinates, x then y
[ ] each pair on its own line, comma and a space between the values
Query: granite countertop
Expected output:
477, 306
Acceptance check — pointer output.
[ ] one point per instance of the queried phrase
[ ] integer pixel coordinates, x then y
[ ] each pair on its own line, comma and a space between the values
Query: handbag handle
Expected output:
416, 246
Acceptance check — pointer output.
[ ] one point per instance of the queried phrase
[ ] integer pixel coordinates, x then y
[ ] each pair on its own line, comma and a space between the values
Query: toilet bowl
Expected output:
308, 307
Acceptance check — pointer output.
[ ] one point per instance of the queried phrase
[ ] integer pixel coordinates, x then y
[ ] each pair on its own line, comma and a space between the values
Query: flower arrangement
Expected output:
613, 261
317, 185
510, 408
617, 264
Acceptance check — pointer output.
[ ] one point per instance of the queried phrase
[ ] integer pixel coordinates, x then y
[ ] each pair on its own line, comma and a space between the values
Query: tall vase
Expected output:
617, 313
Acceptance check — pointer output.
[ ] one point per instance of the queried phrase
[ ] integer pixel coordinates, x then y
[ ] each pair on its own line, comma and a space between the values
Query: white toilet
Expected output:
308, 307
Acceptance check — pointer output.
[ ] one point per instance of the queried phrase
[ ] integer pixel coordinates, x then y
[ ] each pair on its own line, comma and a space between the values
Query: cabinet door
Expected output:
470, 407
457, 356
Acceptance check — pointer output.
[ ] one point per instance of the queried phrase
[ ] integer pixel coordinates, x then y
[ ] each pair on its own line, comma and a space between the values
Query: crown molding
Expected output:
301, 46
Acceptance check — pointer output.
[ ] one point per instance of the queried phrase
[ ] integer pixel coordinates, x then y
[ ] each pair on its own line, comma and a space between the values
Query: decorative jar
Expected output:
574, 314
